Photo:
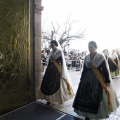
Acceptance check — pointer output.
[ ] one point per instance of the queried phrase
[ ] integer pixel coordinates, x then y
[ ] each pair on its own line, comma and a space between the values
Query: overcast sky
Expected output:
100, 18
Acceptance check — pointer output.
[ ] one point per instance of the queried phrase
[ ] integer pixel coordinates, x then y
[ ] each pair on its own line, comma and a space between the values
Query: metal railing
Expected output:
76, 65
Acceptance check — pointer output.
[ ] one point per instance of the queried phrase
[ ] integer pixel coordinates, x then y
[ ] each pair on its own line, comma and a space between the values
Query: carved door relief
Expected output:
15, 74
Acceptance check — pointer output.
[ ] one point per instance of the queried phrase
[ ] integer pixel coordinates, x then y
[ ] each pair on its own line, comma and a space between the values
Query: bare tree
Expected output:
62, 36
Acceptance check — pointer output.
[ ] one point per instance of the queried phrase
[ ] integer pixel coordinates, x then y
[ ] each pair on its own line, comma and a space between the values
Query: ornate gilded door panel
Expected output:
15, 72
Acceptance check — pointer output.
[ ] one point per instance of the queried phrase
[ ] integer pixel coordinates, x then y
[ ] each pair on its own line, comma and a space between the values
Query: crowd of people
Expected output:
73, 61
95, 97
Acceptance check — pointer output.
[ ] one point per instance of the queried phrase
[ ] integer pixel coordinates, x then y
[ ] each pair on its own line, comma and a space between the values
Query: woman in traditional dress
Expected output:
95, 98
56, 85
118, 54
106, 53
113, 62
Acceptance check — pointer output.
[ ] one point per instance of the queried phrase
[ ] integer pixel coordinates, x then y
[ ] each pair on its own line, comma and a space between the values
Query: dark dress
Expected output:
51, 79
54, 88
91, 99
112, 66
89, 93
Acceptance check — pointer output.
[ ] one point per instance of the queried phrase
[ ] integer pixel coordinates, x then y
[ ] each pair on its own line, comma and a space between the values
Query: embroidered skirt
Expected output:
91, 99
61, 95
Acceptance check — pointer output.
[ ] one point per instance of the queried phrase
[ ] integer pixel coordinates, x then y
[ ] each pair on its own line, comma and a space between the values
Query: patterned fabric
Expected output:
119, 57
90, 92
54, 87
112, 66
97, 60
51, 79
103, 84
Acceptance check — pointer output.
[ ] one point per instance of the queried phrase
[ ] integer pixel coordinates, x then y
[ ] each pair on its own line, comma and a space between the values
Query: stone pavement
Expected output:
67, 106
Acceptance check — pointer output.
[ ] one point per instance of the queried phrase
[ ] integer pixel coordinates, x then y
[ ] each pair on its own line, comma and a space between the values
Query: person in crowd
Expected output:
48, 52
106, 53
56, 85
43, 57
42, 70
69, 62
113, 63
95, 97
74, 62
118, 54
78, 63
